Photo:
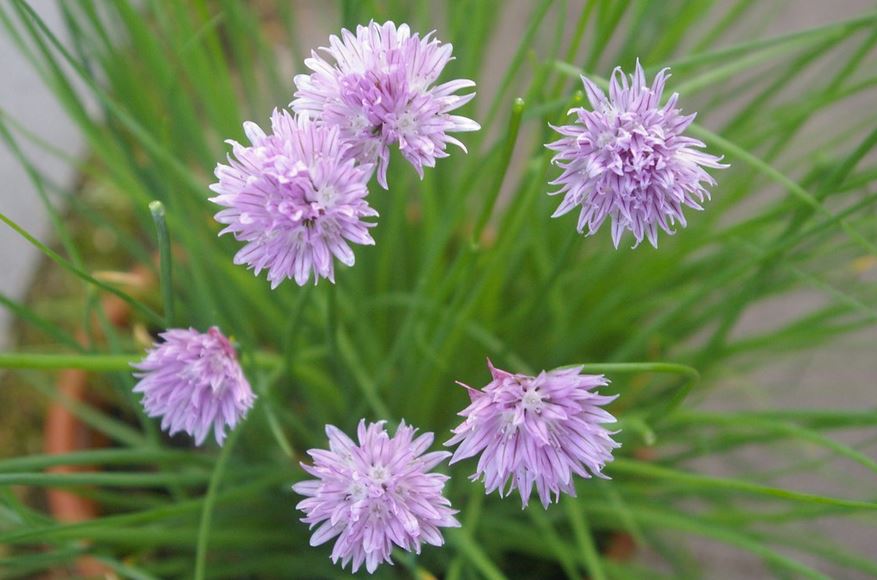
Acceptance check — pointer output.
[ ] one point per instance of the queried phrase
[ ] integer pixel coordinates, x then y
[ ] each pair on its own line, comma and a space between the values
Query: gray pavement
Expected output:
26, 99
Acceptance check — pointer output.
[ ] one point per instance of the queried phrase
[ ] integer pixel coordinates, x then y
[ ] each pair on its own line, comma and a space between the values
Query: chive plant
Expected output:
466, 265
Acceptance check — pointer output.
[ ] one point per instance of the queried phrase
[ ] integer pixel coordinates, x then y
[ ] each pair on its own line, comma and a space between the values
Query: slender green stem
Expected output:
555, 544
89, 362
369, 388
293, 329
156, 208
525, 310
518, 59
263, 387
116, 479
575, 43
642, 469
96, 457
585, 539
501, 171
332, 333
460, 538
146, 516
95, 362
209, 502
139, 306
790, 185
690, 373
815, 34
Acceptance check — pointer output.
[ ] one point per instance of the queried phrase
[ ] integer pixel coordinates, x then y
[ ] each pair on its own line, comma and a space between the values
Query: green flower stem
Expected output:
496, 187
209, 501
690, 373
72, 268
641, 469
369, 388
558, 546
751, 160
535, 20
584, 539
156, 208
460, 538
88, 362
122, 362
780, 178
98, 457
95, 362
146, 516
115, 479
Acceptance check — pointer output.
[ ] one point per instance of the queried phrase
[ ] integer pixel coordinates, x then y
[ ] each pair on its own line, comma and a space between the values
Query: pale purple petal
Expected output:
193, 381
375, 493
378, 87
536, 431
628, 160
296, 198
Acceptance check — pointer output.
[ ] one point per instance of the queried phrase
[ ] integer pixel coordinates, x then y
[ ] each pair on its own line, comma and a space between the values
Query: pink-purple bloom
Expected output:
538, 431
296, 198
378, 87
193, 381
374, 494
627, 159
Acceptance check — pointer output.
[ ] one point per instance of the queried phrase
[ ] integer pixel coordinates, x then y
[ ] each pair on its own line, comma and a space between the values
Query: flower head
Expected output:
379, 90
375, 493
296, 198
536, 430
628, 159
193, 381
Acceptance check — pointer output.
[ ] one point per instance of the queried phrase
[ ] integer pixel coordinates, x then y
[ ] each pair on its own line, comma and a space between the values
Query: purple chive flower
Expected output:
296, 198
379, 90
193, 381
628, 159
536, 430
374, 494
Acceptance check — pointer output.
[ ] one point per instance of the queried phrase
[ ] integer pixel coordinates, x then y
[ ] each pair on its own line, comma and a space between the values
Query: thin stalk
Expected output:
116, 479
499, 175
780, 178
69, 266
156, 208
585, 539
292, 328
526, 41
690, 373
89, 362
209, 502
96, 362
837, 30
96, 457
640, 469
575, 43
461, 539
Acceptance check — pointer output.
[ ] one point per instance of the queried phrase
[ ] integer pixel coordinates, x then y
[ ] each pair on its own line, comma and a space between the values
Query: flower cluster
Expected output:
194, 383
379, 89
628, 160
375, 493
297, 198
536, 431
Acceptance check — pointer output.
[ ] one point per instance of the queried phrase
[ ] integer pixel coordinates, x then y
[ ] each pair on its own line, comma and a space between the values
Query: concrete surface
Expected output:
26, 99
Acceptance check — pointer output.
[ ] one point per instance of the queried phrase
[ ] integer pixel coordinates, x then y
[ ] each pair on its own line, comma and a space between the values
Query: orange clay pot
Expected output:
64, 433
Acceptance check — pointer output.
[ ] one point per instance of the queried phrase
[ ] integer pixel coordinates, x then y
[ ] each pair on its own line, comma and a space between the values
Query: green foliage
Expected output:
467, 265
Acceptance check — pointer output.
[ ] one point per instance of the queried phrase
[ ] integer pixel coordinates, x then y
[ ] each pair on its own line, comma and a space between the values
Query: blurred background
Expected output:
805, 381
